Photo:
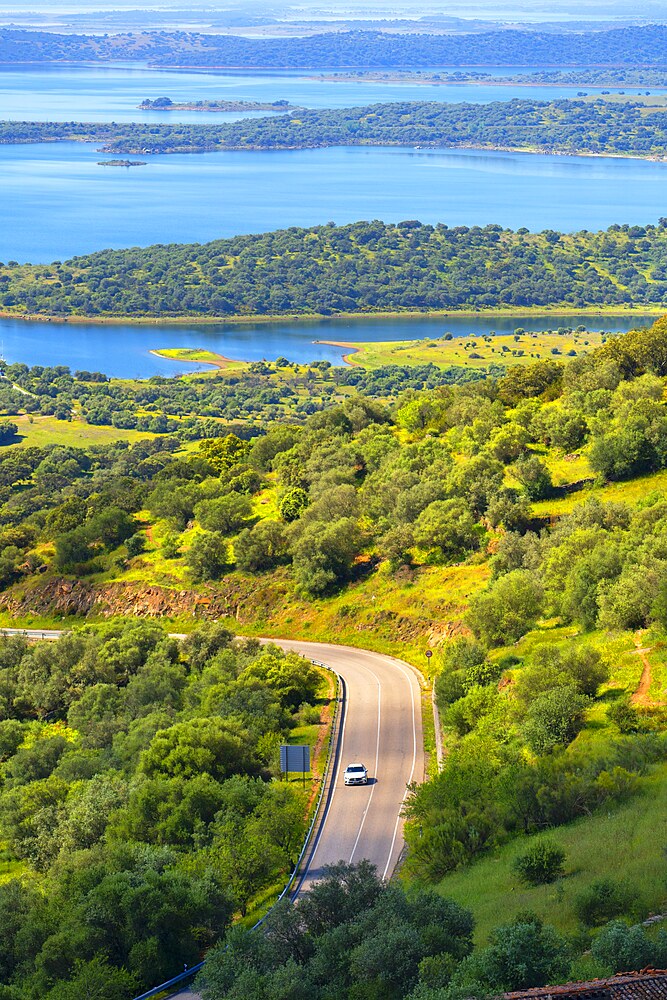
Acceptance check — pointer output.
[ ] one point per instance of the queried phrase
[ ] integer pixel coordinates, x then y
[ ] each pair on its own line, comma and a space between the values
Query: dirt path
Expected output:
640, 697
18, 388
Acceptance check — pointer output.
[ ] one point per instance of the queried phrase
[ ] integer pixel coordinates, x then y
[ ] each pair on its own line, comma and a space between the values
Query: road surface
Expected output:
381, 728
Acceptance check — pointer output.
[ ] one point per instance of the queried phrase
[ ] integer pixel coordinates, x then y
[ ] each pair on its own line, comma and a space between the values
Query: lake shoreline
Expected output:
109, 149
316, 318
490, 82
352, 349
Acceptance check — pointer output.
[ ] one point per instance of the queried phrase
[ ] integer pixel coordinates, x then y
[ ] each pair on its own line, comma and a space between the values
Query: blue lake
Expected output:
56, 202
124, 351
112, 93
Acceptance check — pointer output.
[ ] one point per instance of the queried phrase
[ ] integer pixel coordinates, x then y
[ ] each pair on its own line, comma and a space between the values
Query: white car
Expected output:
355, 774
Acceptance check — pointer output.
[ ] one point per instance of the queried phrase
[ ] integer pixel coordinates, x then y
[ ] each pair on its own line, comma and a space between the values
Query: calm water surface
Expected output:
55, 201
112, 93
124, 351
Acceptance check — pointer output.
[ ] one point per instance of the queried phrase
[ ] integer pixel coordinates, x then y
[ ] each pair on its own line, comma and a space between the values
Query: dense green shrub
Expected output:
261, 547
521, 954
625, 716
623, 948
543, 862
8, 431
293, 503
507, 610
555, 718
208, 556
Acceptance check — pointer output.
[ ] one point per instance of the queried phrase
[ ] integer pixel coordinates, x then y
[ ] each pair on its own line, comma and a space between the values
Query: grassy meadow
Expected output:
626, 843
38, 431
474, 351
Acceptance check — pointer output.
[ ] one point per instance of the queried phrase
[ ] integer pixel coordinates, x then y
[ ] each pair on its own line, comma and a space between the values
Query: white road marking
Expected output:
377, 764
411, 682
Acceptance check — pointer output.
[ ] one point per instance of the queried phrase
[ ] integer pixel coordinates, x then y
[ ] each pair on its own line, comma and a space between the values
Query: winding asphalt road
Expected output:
381, 728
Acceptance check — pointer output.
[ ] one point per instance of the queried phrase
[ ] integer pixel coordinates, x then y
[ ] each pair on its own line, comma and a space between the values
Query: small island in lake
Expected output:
121, 163
166, 104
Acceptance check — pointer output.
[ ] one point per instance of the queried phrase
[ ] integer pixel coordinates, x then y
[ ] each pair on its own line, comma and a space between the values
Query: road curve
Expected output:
382, 729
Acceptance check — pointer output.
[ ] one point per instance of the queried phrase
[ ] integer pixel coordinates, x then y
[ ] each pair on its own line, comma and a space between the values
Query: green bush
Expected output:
534, 476
603, 900
482, 674
464, 714
507, 609
261, 547
542, 863
170, 548
293, 503
449, 687
310, 715
8, 431
555, 718
135, 544
622, 948
624, 716
207, 556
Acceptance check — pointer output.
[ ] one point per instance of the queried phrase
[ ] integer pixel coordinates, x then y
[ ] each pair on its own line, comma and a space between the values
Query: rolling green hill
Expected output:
365, 267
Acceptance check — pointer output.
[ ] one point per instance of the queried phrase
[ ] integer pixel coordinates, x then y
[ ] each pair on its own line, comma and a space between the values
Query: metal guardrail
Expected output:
439, 751
326, 788
176, 981
34, 633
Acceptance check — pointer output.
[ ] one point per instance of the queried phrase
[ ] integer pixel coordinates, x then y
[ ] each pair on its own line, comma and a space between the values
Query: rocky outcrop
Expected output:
267, 602
79, 598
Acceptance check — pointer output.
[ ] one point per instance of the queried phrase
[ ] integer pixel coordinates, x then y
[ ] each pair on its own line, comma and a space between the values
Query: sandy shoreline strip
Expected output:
528, 312
347, 358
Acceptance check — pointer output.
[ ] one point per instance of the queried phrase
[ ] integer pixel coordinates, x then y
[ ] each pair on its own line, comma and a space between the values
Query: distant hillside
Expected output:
637, 46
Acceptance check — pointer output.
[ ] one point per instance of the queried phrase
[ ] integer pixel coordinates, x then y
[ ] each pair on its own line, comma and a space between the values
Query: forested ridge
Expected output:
635, 46
594, 77
365, 267
568, 126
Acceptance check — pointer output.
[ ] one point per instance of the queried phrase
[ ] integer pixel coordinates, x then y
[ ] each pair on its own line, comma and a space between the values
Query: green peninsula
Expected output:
574, 127
366, 268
